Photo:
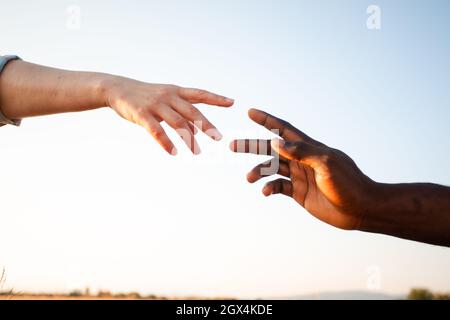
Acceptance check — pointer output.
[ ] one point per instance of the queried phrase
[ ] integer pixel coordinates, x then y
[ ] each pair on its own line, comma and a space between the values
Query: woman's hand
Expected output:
148, 104
28, 90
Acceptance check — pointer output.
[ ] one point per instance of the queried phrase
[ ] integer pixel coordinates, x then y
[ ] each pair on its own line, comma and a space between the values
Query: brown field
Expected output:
76, 295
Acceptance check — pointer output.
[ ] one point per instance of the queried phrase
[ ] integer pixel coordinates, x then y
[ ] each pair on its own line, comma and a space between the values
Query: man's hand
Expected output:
328, 184
325, 181
148, 104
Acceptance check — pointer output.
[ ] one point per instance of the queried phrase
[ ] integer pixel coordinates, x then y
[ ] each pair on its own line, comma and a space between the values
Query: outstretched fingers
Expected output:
278, 186
195, 117
202, 96
278, 126
268, 168
157, 131
181, 126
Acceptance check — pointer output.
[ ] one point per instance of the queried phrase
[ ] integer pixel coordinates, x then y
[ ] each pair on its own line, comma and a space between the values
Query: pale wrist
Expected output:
105, 85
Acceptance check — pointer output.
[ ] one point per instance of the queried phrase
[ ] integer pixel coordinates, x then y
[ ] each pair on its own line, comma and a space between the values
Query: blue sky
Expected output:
93, 201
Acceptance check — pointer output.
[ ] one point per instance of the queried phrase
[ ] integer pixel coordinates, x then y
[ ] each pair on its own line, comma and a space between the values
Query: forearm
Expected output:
416, 211
28, 89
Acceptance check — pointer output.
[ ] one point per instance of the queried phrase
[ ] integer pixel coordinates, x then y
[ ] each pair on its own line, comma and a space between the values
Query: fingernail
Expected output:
229, 99
174, 152
217, 135
233, 145
197, 151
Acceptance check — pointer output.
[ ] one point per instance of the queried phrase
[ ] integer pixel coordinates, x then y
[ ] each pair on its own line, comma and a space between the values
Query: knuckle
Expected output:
328, 157
194, 113
200, 93
141, 113
286, 123
165, 91
180, 122
325, 159
299, 147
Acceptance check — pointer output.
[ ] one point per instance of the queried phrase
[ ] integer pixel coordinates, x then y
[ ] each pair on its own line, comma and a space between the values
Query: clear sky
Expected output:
91, 200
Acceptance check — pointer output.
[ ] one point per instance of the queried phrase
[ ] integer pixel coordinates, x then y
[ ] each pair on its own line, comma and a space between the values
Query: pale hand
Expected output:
148, 104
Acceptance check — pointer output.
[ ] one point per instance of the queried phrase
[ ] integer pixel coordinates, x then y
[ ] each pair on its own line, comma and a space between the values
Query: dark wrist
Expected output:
374, 206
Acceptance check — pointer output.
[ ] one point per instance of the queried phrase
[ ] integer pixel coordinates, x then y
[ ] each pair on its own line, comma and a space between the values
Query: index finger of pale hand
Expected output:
202, 96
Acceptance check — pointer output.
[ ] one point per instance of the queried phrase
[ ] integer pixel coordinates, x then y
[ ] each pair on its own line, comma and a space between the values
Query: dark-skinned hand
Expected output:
325, 181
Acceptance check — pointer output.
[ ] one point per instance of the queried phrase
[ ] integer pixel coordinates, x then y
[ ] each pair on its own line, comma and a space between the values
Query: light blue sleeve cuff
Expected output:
4, 120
